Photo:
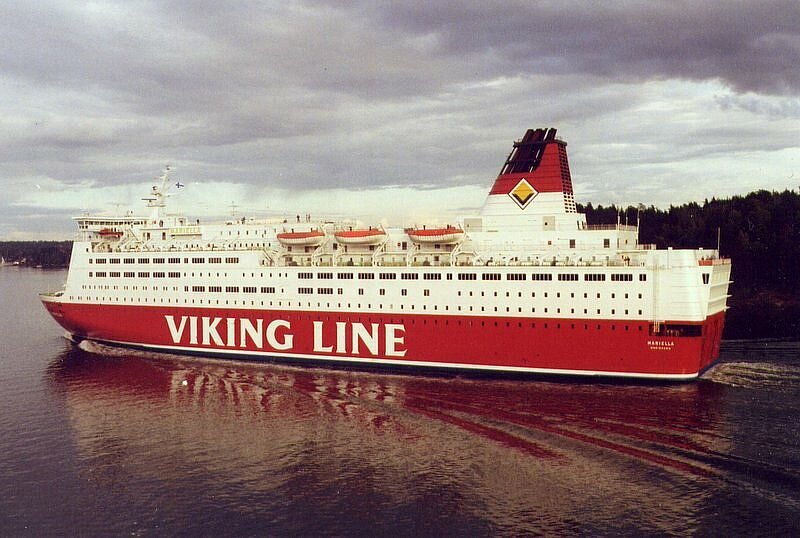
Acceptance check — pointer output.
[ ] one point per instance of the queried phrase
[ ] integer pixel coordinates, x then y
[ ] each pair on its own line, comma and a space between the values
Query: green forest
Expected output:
760, 232
49, 254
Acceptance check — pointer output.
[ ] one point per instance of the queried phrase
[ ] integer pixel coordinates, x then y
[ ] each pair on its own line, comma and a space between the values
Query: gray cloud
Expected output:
751, 46
773, 109
319, 94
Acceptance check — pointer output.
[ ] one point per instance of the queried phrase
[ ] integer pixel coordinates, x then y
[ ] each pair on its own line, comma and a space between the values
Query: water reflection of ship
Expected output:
283, 392
662, 425
498, 445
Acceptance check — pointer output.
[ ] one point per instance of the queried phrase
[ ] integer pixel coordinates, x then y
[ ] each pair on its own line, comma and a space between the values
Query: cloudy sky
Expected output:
382, 109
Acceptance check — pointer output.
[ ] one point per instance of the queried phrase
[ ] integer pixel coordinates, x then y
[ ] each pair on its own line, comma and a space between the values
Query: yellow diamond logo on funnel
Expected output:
523, 193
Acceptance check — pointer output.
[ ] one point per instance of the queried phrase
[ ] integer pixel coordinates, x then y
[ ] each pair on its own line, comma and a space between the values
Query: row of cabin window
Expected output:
562, 277
321, 291
533, 295
593, 277
340, 291
382, 292
231, 289
302, 291
158, 274
161, 260
132, 274
379, 306
371, 276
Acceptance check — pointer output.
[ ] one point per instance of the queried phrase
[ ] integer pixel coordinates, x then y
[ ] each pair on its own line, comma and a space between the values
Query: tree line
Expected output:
49, 254
760, 232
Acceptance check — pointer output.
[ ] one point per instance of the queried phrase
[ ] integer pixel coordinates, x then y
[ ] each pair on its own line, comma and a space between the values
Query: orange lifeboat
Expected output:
368, 236
445, 236
108, 233
309, 238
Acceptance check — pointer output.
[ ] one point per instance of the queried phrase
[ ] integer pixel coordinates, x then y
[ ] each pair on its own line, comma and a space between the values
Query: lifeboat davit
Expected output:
309, 238
369, 236
446, 235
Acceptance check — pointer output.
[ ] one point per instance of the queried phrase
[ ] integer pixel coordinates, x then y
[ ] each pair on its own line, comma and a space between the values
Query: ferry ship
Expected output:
526, 285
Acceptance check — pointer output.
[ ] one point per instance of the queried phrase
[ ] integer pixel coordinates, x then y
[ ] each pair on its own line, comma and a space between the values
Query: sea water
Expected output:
101, 441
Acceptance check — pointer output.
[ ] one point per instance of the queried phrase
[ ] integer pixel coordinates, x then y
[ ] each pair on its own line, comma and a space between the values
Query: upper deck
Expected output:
529, 218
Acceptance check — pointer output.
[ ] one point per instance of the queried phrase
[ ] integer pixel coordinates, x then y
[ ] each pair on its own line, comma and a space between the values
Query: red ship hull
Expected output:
535, 345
